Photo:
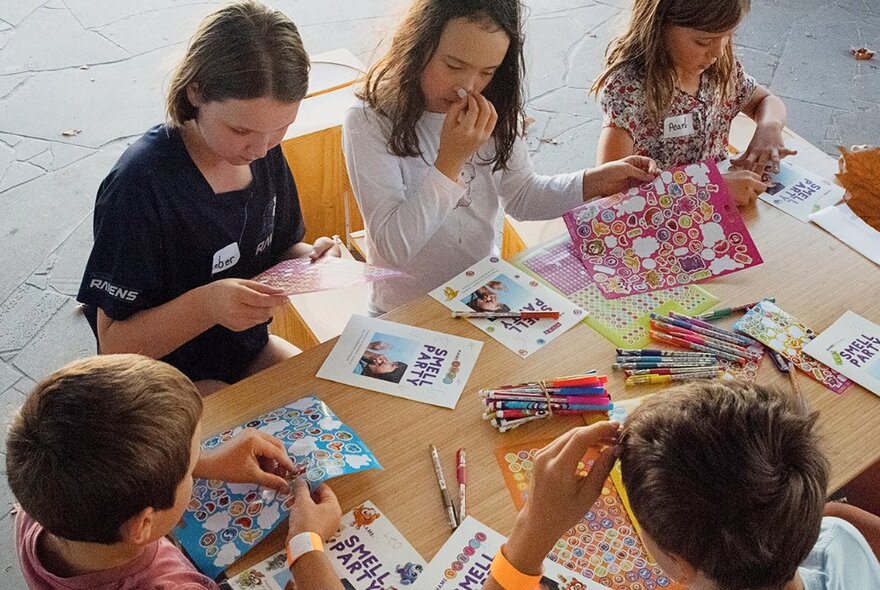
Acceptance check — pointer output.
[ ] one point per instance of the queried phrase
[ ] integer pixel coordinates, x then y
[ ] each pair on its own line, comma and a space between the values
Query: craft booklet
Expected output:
797, 191
681, 228
851, 345
223, 521
464, 560
409, 362
367, 553
493, 285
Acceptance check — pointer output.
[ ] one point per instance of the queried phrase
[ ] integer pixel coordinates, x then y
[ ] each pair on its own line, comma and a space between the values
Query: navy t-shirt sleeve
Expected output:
289, 226
123, 273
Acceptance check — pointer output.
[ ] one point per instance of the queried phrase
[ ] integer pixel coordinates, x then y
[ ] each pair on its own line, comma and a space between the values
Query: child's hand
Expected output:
239, 304
324, 247
744, 186
619, 175
558, 497
468, 125
250, 457
319, 513
764, 151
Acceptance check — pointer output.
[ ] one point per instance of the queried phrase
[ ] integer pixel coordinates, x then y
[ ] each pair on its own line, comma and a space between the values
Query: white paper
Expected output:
849, 228
851, 346
405, 361
464, 560
494, 285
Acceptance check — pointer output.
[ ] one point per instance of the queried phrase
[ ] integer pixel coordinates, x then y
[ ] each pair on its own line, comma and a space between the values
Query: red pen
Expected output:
519, 315
461, 475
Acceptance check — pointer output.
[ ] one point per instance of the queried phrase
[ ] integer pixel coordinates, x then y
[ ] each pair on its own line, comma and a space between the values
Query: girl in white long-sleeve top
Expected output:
435, 147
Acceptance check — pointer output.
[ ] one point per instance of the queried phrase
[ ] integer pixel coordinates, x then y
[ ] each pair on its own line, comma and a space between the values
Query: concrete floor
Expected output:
100, 66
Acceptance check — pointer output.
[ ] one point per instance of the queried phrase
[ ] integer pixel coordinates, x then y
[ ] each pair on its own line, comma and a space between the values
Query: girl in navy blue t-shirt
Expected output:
200, 204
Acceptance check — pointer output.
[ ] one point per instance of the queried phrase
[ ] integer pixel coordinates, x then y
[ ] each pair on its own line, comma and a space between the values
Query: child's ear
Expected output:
138, 529
192, 94
684, 573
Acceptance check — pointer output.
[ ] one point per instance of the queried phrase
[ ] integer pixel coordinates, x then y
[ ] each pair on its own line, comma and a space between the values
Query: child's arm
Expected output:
558, 498
767, 146
250, 457
237, 304
319, 513
614, 143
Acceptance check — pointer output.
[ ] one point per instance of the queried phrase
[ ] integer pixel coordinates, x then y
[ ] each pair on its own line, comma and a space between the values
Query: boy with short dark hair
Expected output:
102, 457
728, 484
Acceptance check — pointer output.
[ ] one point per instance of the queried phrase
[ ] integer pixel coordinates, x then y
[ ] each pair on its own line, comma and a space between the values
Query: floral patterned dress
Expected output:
708, 115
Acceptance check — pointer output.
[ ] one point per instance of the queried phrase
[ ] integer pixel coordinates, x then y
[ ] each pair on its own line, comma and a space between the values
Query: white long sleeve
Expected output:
419, 221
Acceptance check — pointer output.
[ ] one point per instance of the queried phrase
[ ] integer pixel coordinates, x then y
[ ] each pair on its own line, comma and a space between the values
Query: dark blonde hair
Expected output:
643, 45
729, 477
393, 84
242, 51
99, 441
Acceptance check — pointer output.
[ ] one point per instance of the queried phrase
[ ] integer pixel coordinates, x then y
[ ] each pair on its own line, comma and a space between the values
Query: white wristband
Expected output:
301, 544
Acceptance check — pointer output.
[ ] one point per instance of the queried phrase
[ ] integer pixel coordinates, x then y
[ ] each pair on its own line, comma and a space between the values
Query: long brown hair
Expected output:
242, 51
643, 45
393, 85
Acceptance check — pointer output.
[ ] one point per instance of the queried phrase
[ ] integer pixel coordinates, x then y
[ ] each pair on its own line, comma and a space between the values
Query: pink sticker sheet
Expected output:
680, 229
301, 275
785, 334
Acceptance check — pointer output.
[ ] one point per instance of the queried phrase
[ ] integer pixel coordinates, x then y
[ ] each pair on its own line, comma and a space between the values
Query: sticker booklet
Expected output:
623, 321
850, 345
301, 275
368, 553
464, 560
770, 325
494, 285
224, 521
679, 229
409, 362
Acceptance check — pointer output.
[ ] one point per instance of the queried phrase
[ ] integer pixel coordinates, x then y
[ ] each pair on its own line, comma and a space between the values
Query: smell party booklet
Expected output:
850, 345
409, 362
463, 563
493, 285
679, 229
368, 553
224, 521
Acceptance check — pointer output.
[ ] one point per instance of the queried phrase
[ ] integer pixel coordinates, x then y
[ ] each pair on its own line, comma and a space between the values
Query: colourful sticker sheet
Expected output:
224, 521
747, 372
464, 560
301, 275
495, 285
680, 229
368, 553
405, 361
767, 323
605, 546
623, 321
850, 345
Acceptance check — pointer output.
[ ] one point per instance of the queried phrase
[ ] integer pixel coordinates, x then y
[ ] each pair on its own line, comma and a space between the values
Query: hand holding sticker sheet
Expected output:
301, 275
679, 229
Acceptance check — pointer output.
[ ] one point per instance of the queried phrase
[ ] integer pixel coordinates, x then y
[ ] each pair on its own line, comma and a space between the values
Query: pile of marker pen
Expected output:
510, 406
700, 336
652, 367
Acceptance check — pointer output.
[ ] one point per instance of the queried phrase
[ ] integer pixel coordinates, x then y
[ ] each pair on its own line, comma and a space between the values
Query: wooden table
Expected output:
811, 274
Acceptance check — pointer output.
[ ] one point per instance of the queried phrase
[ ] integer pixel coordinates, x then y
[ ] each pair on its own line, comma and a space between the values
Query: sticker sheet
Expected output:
767, 323
605, 546
224, 521
850, 345
301, 275
680, 229
409, 362
464, 561
494, 285
368, 553
623, 321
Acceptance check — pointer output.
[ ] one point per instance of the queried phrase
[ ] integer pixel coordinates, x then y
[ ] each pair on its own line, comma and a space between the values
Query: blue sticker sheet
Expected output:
224, 521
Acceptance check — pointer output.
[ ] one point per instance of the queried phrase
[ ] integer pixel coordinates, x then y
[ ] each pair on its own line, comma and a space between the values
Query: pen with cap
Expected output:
461, 476
444, 492
519, 315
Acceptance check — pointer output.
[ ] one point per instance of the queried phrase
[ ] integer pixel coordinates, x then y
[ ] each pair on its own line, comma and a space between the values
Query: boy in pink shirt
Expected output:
102, 457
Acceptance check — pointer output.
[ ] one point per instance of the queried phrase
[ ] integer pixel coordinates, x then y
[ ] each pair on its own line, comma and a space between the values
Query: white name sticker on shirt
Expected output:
678, 126
225, 258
